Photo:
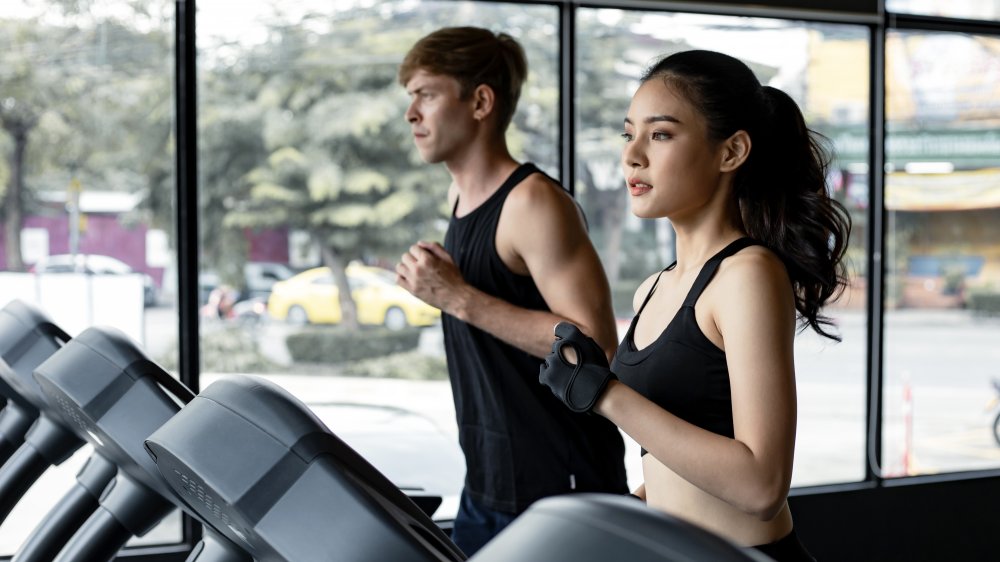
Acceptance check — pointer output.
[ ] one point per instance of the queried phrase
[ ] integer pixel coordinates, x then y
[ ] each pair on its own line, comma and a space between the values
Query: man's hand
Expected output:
578, 384
428, 272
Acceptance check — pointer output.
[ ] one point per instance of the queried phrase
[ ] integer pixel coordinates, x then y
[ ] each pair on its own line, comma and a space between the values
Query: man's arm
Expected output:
541, 234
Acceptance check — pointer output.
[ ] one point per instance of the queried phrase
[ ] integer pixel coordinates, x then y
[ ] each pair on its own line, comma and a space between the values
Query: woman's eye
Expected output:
627, 136
660, 136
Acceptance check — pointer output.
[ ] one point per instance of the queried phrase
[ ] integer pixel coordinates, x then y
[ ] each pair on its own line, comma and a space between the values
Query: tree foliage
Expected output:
299, 128
305, 130
83, 97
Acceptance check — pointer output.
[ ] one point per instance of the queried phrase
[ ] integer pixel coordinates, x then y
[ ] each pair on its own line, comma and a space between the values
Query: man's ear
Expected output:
735, 151
484, 102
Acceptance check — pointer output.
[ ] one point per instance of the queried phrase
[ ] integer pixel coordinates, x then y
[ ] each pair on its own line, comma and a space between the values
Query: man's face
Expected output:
442, 123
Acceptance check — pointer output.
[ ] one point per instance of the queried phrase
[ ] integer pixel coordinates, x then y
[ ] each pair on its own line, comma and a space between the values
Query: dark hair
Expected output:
781, 188
473, 56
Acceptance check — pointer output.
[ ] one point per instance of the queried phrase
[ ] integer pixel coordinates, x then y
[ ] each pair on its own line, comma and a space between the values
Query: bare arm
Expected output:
755, 314
540, 234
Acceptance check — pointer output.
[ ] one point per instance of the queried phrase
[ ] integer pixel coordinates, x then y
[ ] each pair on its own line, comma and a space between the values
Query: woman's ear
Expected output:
735, 151
484, 101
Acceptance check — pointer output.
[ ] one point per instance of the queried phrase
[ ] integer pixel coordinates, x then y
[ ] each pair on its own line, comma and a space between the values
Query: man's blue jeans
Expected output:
476, 524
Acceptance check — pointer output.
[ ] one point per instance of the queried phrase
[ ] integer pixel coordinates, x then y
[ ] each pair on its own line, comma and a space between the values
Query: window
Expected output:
304, 145
86, 122
942, 198
306, 169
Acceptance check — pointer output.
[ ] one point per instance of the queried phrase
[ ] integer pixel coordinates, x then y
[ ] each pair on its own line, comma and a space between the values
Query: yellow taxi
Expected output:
311, 297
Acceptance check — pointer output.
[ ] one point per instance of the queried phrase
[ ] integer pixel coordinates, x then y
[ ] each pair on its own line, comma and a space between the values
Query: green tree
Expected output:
333, 156
27, 91
305, 130
85, 98
611, 61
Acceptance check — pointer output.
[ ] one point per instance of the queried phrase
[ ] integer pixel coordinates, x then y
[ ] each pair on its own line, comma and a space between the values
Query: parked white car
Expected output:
95, 264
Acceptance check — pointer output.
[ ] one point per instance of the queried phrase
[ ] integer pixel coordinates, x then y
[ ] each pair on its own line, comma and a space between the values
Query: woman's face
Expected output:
671, 168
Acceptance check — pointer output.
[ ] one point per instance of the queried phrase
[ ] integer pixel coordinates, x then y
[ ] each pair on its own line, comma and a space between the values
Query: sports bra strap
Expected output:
653, 288
712, 265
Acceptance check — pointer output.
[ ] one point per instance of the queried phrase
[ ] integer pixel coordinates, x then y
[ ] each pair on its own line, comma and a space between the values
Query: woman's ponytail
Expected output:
784, 202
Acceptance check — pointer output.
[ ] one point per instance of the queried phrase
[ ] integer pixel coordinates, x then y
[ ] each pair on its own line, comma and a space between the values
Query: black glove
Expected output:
578, 386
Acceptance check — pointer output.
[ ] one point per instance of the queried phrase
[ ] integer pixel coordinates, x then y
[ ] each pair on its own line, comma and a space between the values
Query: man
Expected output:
516, 261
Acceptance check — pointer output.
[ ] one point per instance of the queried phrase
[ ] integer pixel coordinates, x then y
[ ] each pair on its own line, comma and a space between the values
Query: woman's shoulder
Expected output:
755, 272
755, 260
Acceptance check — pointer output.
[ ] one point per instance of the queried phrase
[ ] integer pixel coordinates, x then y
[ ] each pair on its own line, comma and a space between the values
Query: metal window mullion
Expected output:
567, 96
187, 210
876, 253
187, 192
911, 22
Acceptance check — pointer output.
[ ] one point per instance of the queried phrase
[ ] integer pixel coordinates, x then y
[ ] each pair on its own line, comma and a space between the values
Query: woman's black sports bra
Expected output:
682, 371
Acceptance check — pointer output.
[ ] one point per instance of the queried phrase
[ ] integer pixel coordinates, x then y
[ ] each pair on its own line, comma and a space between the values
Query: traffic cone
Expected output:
908, 463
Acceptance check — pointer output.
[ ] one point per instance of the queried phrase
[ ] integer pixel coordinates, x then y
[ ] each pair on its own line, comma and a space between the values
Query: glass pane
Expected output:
942, 199
825, 68
308, 166
87, 177
968, 9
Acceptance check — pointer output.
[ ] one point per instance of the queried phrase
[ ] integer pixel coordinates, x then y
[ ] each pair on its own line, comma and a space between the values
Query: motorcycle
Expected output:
224, 303
250, 312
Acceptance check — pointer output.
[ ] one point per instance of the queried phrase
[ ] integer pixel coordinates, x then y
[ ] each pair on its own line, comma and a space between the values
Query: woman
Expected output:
704, 380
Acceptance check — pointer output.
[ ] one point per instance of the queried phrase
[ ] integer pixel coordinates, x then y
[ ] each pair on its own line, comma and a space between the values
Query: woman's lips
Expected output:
636, 188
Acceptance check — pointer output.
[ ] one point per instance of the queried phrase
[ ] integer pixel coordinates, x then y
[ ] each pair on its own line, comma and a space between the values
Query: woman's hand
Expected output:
580, 379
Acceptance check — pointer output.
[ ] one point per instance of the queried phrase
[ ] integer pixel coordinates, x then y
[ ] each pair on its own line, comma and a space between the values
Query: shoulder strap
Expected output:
712, 265
649, 295
516, 177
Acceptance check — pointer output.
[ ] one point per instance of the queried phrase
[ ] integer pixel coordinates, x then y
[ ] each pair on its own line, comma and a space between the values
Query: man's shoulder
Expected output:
539, 193
540, 178
540, 208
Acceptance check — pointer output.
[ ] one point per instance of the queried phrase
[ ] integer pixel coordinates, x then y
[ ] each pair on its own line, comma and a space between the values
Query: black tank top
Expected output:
520, 442
682, 371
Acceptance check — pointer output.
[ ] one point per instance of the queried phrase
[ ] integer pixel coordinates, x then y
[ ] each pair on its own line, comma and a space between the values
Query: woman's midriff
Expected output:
668, 492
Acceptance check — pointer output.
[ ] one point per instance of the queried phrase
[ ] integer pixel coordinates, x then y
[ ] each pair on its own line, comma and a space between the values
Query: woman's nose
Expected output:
632, 156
